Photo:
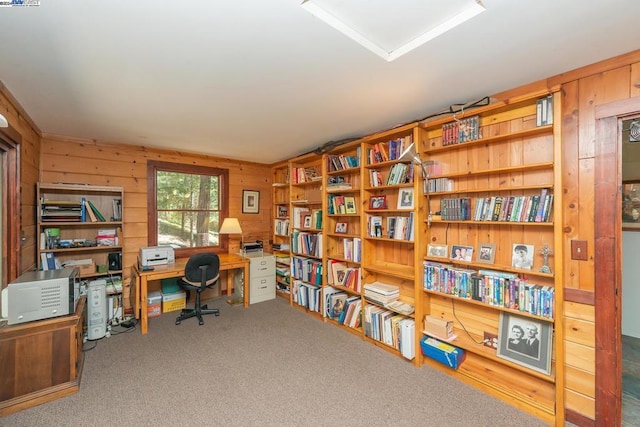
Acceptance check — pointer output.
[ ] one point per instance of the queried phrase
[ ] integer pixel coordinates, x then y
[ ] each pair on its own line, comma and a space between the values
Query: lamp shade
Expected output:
3, 122
230, 226
410, 155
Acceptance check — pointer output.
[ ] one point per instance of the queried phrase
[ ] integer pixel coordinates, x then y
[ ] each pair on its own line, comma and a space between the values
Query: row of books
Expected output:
83, 210
544, 111
342, 162
304, 174
397, 227
436, 185
387, 151
460, 131
399, 173
304, 243
281, 227
352, 249
343, 308
494, 288
306, 295
339, 204
391, 328
455, 208
338, 273
304, 217
536, 208
307, 270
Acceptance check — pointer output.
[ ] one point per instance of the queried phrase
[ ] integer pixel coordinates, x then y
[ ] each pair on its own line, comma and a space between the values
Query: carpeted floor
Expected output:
268, 365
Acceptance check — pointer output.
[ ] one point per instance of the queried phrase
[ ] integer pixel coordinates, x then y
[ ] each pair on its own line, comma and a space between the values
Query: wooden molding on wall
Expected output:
579, 296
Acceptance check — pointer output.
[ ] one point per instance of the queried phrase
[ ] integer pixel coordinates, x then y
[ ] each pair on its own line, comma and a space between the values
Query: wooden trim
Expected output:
579, 296
4, 90
578, 419
598, 67
10, 141
152, 225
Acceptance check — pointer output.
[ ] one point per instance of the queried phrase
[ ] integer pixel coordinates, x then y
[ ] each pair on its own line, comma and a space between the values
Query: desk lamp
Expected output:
410, 155
232, 226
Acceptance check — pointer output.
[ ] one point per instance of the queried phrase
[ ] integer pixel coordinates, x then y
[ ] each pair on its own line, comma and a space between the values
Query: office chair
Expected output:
201, 272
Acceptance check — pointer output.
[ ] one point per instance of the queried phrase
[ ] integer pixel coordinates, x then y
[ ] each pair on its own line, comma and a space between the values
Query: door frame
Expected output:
608, 246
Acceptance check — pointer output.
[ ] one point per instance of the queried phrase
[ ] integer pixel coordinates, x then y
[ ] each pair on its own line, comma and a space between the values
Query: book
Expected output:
96, 211
90, 213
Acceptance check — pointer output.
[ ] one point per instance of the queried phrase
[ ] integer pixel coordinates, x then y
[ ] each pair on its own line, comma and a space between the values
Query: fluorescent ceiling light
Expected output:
388, 30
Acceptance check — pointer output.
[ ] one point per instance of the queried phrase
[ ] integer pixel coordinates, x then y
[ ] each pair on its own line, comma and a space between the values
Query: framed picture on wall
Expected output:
250, 201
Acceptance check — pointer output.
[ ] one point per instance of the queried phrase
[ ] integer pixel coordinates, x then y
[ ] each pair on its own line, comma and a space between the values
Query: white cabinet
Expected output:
262, 277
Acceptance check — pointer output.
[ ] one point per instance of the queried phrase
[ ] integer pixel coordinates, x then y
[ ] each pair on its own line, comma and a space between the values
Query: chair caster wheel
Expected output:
177, 322
217, 314
201, 322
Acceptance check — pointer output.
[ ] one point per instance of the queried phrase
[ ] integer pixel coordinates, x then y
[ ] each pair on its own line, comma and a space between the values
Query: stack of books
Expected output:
381, 293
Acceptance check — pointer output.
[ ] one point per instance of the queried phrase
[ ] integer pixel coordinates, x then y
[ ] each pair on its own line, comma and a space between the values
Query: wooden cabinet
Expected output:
494, 192
41, 360
280, 243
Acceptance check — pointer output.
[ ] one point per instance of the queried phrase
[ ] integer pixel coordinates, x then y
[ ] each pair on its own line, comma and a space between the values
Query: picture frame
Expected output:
378, 202
436, 250
341, 228
486, 253
513, 342
350, 203
283, 211
461, 253
405, 198
306, 221
250, 201
522, 256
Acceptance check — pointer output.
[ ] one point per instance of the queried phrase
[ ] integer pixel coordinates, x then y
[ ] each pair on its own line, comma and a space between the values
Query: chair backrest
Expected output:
193, 272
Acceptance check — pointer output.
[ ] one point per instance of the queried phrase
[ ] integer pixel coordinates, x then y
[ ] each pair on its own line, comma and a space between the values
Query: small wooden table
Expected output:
141, 280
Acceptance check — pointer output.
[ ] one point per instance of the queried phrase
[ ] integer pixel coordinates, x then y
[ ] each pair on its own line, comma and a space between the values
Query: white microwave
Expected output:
37, 295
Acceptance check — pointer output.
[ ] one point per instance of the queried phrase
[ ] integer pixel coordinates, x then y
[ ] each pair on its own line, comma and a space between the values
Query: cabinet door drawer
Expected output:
262, 289
260, 267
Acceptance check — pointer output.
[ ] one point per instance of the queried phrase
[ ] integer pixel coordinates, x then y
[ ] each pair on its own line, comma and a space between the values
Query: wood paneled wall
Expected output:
72, 160
583, 90
29, 173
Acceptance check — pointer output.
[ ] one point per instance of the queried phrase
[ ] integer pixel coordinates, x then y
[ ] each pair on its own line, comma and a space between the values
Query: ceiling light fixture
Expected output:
474, 8
3, 122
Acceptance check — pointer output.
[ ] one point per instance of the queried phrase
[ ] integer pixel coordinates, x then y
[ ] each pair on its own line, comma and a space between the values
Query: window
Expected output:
187, 205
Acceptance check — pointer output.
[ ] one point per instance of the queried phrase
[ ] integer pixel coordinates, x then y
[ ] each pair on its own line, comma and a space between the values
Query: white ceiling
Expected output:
265, 80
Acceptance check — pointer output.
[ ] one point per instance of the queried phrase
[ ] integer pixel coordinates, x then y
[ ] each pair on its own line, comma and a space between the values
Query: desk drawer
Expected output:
262, 289
263, 266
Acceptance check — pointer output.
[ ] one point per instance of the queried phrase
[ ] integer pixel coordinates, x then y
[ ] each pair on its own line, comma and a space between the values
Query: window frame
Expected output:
11, 218
153, 166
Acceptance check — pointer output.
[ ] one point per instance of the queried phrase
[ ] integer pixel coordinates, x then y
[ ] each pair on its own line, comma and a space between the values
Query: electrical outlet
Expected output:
490, 340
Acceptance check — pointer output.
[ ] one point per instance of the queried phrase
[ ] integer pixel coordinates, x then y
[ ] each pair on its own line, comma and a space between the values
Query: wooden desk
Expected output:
141, 280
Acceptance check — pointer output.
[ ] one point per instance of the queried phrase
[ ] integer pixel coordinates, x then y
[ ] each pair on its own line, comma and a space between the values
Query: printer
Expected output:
156, 255
251, 247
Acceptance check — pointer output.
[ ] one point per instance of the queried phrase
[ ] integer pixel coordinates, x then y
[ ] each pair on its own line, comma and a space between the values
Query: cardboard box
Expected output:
439, 328
154, 304
174, 301
444, 353
86, 269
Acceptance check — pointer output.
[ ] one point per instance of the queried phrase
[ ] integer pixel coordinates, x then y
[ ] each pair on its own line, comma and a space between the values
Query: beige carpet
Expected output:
268, 365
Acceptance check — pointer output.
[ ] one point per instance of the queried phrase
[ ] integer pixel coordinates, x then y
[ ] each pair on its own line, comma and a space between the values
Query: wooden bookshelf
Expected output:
511, 158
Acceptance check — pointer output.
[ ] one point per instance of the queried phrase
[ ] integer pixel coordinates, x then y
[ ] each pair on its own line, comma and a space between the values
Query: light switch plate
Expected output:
579, 250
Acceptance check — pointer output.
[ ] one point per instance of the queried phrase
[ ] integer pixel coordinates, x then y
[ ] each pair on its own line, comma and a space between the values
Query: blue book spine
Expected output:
83, 210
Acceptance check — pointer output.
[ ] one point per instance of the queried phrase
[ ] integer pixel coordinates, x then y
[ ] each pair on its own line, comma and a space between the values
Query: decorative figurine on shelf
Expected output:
545, 251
